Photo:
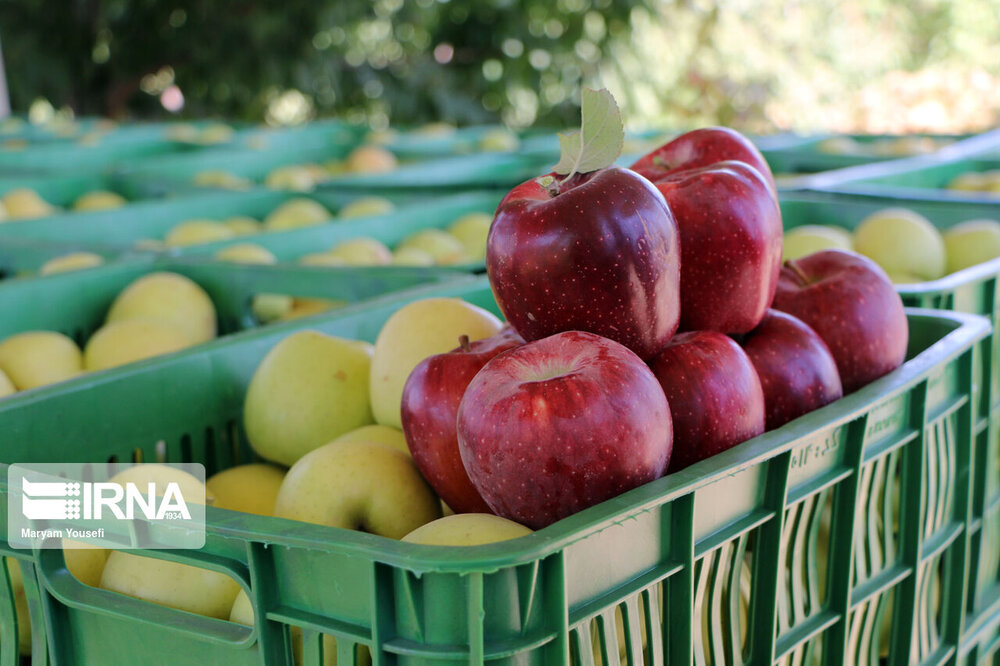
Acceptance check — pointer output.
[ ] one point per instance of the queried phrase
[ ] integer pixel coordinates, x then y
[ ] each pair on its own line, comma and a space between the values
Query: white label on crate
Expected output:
111, 505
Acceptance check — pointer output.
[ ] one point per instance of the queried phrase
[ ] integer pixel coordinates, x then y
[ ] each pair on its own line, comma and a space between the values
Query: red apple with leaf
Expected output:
722, 196
429, 410
589, 247
796, 369
716, 400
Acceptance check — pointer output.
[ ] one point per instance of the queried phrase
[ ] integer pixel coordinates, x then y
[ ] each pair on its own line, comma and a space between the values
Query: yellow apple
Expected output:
970, 181
467, 529
498, 139
168, 297
24, 203
305, 307
308, 390
471, 231
246, 253
71, 262
216, 133
366, 206
411, 256
809, 238
38, 358
445, 248
193, 232
85, 561
971, 242
99, 200
393, 437
248, 488
364, 486
271, 307
435, 129
414, 332
293, 177
131, 340
6, 386
902, 241
243, 225
221, 179
182, 132
362, 251
295, 213
170, 584
841, 145
190, 488
370, 159
20, 606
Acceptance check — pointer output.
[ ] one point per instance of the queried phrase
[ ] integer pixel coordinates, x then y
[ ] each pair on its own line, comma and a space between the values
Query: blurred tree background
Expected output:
758, 65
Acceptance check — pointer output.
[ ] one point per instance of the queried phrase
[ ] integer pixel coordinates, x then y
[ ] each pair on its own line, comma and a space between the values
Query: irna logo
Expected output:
71, 500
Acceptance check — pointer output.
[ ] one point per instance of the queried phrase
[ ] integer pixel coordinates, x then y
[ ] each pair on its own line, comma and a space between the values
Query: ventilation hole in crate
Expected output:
113, 459
311, 648
722, 602
938, 479
137, 455
867, 631
233, 435
186, 455
160, 449
631, 635
989, 559
805, 545
929, 595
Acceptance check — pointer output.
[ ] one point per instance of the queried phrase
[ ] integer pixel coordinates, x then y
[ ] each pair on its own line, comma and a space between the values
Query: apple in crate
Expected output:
431, 397
722, 196
716, 400
795, 367
851, 303
560, 424
589, 247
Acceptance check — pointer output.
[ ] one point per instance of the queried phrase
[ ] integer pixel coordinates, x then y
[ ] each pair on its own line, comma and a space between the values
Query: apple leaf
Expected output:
600, 139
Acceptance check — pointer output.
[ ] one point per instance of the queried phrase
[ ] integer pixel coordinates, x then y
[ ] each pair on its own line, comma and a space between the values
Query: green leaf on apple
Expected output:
600, 139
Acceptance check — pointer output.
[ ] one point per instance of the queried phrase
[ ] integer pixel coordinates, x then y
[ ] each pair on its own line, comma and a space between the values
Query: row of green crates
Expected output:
879, 486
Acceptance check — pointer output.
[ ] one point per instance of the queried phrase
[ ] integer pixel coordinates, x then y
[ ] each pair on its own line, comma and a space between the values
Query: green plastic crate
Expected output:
60, 157
431, 213
22, 258
897, 449
61, 190
76, 303
974, 290
123, 227
808, 156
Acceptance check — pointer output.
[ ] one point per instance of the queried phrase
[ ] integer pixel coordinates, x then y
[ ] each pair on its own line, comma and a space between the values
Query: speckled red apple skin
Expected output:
600, 256
560, 424
796, 369
730, 236
716, 400
429, 412
700, 148
851, 303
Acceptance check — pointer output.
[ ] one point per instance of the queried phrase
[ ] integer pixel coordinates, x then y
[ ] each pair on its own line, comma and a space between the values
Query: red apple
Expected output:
560, 424
597, 252
730, 235
795, 367
700, 148
851, 303
716, 400
431, 397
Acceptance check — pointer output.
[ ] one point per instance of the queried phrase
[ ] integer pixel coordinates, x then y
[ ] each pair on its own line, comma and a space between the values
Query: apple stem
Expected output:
463, 342
794, 268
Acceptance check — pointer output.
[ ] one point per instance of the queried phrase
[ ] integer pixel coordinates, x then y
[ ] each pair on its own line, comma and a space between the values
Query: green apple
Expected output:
809, 238
971, 242
243, 225
295, 213
367, 206
131, 340
24, 203
377, 433
308, 390
246, 253
250, 488
20, 606
370, 159
902, 241
99, 200
6, 386
445, 248
414, 332
242, 613
194, 232
293, 177
364, 486
498, 139
170, 584
221, 179
411, 256
362, 251
38, 358
71, 262
467, 529
170, 297
471, 231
